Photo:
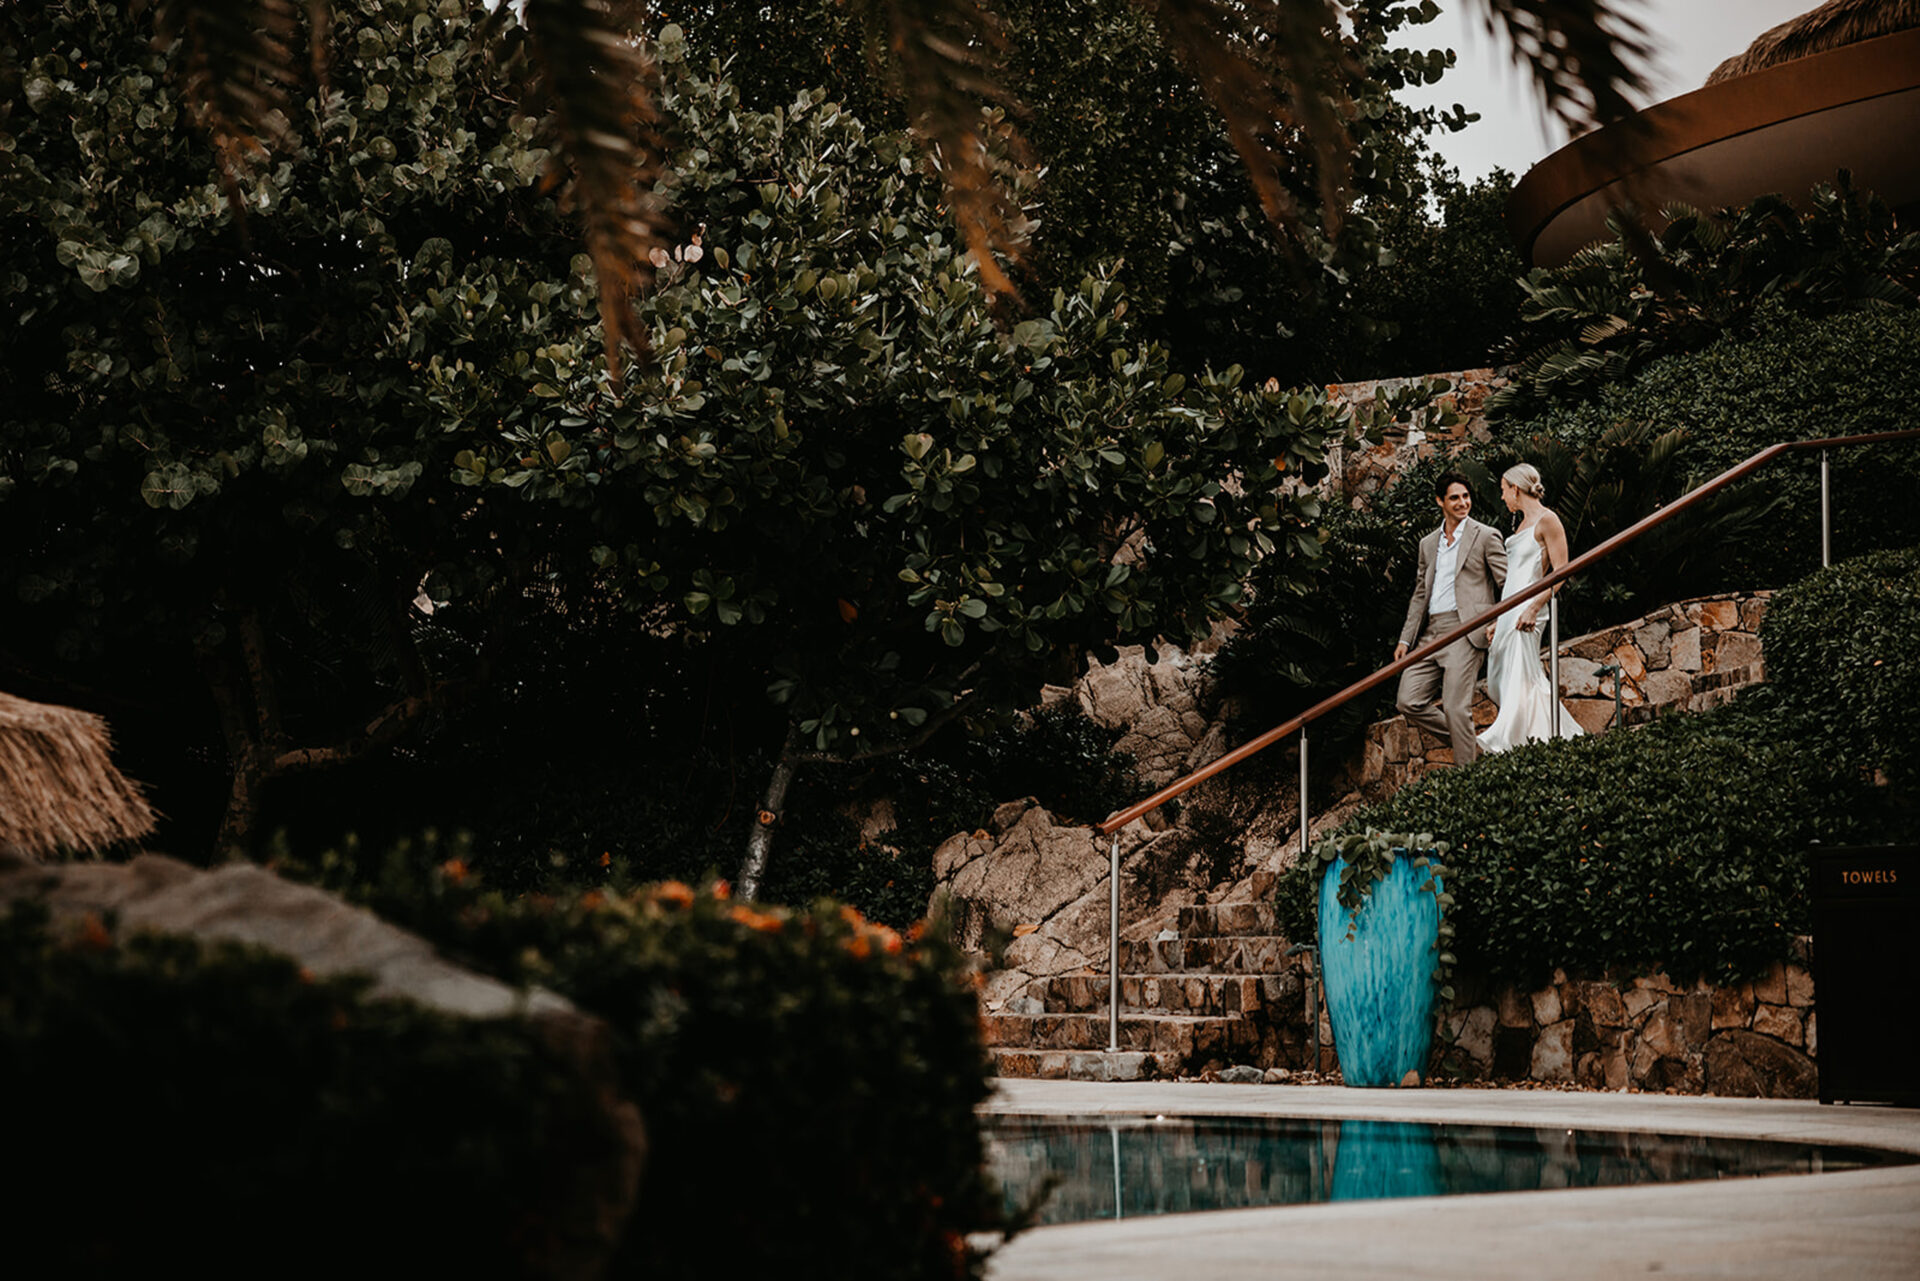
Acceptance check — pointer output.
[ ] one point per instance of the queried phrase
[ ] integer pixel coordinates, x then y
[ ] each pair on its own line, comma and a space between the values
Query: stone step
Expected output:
1234, 954
1178, 1041
1218, 920
1199, 994
1075, 1065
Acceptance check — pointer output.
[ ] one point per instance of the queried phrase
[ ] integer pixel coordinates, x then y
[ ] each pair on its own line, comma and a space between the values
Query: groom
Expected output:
1462, 567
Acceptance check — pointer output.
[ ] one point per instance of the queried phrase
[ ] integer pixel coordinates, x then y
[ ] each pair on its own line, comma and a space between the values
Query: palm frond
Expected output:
237, 61
1273, 70
1587, 58
943, 55
593, 81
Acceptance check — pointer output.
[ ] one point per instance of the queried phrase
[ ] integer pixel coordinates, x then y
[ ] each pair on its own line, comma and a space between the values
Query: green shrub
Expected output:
1791, 378
1294, 650
1681, 845
214, 1107
808, 1079
1056, 755
1841, 656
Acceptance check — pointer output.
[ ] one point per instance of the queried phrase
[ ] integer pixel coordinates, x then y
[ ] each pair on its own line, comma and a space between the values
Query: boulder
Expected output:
1553, 1053
247, 904
1026, 874
1745, 1064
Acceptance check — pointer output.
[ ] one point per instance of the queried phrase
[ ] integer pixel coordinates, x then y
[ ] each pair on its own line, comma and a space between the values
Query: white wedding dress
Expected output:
1516, 681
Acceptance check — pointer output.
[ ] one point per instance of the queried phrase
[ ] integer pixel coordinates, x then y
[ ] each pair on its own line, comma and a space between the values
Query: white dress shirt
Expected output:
1446, 563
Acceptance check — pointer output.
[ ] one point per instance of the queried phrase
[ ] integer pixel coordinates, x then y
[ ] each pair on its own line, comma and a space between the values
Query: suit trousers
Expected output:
1436, 693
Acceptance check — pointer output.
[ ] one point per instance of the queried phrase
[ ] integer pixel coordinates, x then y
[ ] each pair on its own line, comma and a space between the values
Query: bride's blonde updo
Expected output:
1526, 478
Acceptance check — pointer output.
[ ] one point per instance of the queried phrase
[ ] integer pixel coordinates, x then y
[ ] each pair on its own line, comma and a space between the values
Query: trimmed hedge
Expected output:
217, 1108
808, 1079
1679, 846
1842, 659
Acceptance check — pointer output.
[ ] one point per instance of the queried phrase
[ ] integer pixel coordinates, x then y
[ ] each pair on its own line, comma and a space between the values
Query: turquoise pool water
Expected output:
1123, 1167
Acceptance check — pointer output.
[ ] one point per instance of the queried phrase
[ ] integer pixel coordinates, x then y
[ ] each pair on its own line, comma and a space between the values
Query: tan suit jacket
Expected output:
1479, 573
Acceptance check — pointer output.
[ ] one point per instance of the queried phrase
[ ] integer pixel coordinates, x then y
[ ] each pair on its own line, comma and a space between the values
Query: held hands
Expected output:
1399, 651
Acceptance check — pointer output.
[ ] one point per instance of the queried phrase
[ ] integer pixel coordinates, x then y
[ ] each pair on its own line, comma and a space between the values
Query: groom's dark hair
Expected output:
1447, 481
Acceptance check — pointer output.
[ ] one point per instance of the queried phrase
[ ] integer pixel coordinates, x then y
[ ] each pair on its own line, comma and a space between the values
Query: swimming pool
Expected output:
1111, 1167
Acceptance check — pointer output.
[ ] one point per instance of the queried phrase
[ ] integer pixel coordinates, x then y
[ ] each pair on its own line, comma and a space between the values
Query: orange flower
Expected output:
93, 933
765, 922
851, 915
722, 889
917, 931
454, 870
593, 900
859, 946
673, 894
606, 858
889, 940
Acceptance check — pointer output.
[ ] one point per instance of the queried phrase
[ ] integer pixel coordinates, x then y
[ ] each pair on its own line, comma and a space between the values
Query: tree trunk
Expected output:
760, 839
245, 750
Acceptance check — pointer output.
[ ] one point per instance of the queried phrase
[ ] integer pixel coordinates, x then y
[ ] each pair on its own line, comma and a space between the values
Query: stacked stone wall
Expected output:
1357, 471
1647, 1032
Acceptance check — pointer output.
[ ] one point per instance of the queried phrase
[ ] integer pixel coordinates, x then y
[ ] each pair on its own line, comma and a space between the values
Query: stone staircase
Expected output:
1216, 990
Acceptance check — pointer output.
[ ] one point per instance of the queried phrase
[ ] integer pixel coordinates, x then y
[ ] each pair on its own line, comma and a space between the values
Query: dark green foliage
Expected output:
1296, 648
225, 444
1794, 378
210, 1108
872, 493
1680, 846
1610, 483
1055, 755
1139, 170
1842, 658
1611, 309
230, 463
1445, 296
808, 1080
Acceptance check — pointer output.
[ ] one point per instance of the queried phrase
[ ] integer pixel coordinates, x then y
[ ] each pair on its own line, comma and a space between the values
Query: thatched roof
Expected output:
59, 789
1833, 25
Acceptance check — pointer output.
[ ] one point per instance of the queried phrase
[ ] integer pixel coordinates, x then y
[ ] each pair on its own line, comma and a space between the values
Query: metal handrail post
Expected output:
1303, 791
1113, 950
1826, 513
1553, 656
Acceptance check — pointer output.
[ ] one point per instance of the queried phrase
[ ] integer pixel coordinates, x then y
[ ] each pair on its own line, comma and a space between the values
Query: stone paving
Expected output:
1859, 1224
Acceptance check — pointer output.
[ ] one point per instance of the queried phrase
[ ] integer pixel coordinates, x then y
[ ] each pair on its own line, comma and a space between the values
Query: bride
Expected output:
1515, 680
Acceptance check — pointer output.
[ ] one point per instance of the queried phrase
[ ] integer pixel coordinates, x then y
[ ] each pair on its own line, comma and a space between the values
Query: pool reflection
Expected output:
1125, 1167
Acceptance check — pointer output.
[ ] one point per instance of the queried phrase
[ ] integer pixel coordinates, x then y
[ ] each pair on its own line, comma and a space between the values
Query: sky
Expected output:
1690, 37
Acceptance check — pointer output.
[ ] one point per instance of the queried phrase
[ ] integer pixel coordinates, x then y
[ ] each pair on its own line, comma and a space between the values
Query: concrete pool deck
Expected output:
1862, 1224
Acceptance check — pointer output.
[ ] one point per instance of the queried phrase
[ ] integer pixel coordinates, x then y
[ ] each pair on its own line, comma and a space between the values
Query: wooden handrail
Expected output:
1558, 576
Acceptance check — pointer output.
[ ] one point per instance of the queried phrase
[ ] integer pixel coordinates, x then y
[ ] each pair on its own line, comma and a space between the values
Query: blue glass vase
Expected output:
1379, 983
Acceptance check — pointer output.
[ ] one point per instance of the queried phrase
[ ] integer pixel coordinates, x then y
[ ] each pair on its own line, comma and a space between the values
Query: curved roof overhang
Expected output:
1782, 129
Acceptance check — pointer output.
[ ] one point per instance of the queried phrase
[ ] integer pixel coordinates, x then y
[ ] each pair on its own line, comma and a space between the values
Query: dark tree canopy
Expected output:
241, 458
